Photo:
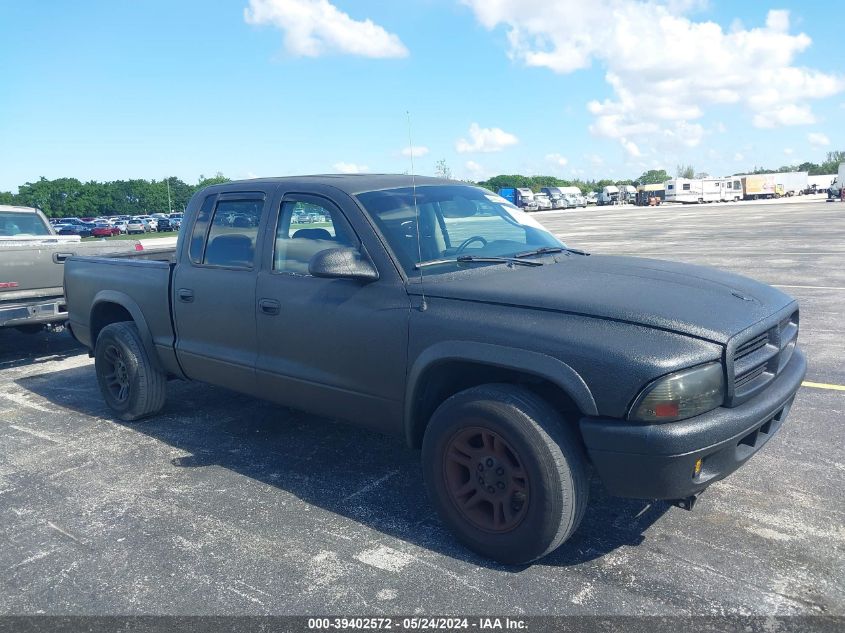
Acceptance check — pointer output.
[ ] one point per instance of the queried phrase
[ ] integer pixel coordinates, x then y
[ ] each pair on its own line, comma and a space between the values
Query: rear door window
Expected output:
225, 231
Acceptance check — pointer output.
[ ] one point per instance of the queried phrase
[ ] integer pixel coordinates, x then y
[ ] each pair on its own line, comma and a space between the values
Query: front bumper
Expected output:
42, 311
657, 461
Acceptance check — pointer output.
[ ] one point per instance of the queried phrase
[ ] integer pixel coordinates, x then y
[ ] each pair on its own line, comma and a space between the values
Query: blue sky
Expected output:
111, 90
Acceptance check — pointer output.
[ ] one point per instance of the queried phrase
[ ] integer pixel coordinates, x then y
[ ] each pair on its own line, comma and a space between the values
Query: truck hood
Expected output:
695, 300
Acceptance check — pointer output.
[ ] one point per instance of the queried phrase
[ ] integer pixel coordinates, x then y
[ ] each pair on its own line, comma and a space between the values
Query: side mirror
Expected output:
342, 263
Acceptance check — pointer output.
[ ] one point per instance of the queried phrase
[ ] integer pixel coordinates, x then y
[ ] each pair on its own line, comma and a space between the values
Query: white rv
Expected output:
702, 190
732, 189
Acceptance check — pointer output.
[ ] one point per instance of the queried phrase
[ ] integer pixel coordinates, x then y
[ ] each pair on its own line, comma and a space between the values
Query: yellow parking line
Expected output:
822, 385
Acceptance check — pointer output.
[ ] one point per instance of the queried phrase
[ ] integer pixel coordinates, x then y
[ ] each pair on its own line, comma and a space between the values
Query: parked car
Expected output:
71, 220
104, 229
150, 222
592, 197
164, 225
136, 225
121, 226
519, 365
81, 229
176, 221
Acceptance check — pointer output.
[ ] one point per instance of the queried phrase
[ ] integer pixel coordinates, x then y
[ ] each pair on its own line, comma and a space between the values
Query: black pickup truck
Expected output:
439, 311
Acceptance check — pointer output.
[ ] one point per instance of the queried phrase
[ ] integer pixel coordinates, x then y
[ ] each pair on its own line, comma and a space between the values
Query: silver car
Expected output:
136, 225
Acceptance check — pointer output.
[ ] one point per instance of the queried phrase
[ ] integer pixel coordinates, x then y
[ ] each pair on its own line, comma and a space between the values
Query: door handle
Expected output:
185, 294
269, 306
59, 258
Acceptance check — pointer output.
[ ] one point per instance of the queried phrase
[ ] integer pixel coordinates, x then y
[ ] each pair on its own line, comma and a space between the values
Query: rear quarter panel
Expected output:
140, 286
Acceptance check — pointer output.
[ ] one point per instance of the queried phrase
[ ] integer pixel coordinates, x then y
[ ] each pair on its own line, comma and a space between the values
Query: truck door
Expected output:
335, 347
214, 291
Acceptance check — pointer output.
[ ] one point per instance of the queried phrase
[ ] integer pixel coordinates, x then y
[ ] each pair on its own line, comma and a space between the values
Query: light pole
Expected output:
169, 203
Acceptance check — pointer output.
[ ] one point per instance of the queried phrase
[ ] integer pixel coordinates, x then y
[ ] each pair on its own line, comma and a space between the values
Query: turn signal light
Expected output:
697, 470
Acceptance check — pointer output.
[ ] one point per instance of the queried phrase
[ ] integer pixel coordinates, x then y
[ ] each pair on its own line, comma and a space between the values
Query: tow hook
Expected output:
686, 503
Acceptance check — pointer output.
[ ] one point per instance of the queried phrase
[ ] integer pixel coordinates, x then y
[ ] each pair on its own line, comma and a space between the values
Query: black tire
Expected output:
131, 384
547, 451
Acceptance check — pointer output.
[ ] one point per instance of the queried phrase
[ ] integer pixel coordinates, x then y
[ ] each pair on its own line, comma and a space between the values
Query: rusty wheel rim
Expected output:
486, 480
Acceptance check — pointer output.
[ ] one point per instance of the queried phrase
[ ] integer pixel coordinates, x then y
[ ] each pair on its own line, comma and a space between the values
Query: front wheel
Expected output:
505, 472
131, 384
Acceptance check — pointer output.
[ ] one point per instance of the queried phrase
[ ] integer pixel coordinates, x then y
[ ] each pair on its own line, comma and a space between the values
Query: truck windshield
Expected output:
454, 220
12, 224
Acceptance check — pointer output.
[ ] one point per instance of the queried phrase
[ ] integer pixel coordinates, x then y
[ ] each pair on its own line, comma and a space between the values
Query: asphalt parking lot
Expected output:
228, 505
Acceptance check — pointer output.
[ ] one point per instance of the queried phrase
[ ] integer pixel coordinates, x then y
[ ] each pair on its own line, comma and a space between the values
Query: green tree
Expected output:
216, 179
685, 171
653, 177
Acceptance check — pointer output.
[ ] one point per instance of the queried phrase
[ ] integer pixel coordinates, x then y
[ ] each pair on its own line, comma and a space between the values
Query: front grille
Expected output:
758, 360
749, 347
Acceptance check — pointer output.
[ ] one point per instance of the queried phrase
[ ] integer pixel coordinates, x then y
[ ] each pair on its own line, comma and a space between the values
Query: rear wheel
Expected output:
131, 384
505, 472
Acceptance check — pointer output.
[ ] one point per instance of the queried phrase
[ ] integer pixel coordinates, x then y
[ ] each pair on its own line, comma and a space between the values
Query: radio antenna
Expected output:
423, 304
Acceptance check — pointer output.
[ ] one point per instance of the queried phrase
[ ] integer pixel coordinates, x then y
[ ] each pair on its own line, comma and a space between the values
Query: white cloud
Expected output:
788, 151
350, 168
316, 27
630, 147
474, 170
557, 159
665, 68
739, 157
416, 151
787, 114
485, 139
817, 139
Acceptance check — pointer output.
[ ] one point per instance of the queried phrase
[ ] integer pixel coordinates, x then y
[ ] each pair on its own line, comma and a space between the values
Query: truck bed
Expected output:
138, 281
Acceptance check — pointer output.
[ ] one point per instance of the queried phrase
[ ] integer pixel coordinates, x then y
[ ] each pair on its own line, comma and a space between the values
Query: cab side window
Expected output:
233, 233
305, 227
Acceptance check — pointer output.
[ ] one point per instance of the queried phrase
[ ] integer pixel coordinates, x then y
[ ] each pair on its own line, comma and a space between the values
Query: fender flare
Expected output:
134, 310
541, 365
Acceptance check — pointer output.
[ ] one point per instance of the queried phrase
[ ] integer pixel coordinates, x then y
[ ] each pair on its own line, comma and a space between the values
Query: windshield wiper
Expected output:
544, 250
472, 259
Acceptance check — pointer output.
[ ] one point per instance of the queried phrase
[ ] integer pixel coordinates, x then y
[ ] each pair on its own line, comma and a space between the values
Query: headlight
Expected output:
681, 395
